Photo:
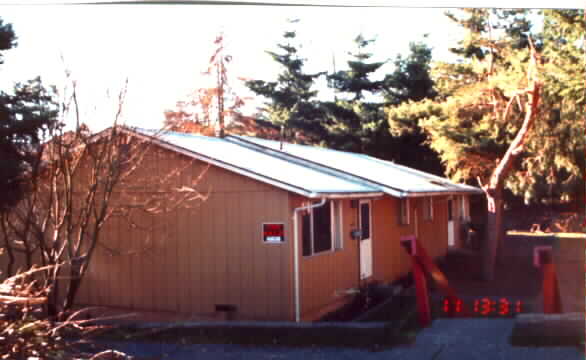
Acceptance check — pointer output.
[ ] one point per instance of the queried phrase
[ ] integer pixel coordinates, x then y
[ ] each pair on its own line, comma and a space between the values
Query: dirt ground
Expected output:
516, 278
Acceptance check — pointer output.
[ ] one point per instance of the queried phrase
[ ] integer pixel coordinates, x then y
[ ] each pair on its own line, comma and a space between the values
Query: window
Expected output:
337, 224
465, 209
322, 229
404, 211
428, 208
365, 220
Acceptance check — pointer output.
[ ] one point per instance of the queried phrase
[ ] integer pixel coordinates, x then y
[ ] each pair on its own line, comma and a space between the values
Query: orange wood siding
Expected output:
390, 261
193, 259
324, 276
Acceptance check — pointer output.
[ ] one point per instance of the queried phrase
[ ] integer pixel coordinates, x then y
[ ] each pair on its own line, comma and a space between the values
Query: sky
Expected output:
163, 49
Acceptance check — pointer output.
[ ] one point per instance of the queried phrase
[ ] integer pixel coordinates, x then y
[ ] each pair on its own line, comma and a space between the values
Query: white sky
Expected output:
162, 49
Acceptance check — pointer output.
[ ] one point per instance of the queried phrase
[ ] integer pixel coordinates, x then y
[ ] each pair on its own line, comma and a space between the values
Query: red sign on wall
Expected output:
273, 233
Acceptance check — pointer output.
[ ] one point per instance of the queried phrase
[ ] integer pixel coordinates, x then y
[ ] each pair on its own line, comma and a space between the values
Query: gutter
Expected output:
365, 195
406, 194
296, 290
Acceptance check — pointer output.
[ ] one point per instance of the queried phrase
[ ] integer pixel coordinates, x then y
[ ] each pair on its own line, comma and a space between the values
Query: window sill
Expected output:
319, 254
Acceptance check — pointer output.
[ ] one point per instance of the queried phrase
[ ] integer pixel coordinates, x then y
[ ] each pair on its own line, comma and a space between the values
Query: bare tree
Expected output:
207, 108
79, 181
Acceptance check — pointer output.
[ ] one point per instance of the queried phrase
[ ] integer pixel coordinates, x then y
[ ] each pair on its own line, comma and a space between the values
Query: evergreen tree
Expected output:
24, 113
292, 105
495, 117
353, 121
411, 81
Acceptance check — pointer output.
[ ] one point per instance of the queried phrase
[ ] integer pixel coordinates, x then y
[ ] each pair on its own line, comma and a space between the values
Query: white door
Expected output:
365, 222
451, 225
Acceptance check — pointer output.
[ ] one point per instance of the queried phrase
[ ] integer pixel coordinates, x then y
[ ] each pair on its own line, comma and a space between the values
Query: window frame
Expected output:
404, 216
337, 236
428, 208
332, 229
465, 206
369, 203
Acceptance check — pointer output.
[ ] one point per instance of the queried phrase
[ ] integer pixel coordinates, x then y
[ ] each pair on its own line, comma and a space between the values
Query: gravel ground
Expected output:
446, 339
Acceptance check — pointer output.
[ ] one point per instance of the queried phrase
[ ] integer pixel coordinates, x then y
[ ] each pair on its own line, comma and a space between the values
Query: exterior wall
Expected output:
390, 259
324, 276
192, 259
434, 233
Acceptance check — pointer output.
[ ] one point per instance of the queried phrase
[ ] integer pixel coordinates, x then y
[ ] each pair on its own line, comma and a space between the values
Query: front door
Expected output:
451, 225
365, 220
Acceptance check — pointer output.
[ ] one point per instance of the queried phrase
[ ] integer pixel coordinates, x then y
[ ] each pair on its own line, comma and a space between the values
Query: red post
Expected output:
542, 257
551, 291
421, 293
422, 265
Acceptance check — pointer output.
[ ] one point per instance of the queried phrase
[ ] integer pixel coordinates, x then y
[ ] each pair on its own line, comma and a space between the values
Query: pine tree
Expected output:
353, 121
292, 104
411, 81
24, 113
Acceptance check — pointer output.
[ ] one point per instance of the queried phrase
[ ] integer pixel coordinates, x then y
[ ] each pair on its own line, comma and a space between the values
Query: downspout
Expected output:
296, 289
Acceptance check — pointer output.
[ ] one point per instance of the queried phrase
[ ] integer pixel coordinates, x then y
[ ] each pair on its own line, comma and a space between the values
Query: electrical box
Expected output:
356, 234
408, 242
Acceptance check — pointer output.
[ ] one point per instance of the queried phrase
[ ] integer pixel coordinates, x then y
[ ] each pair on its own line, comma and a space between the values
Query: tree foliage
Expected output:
25, 112
292, 103
466, 122
208, 108
355, 118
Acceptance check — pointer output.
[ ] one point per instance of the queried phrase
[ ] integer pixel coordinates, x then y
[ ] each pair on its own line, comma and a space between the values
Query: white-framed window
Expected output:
321, 229
365, 219
428, 208
404, 211
337, 224
465, 208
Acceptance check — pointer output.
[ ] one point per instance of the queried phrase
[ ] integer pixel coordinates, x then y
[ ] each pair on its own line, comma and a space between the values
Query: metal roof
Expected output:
393, 179
289, 174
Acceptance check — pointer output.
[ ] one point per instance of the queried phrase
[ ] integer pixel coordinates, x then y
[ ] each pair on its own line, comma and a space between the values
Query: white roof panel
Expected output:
386, 173
253, 162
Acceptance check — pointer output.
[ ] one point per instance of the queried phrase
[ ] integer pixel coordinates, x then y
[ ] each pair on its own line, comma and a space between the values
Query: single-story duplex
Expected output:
286, 233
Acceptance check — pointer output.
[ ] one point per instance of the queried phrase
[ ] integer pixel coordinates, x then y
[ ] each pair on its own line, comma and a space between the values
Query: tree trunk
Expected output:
493, 236
494, 188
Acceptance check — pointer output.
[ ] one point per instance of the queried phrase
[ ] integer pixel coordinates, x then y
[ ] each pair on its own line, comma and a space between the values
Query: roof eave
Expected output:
343, 195
414, 194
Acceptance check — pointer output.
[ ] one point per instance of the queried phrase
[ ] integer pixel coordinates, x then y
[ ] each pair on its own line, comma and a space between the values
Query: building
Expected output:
286, 232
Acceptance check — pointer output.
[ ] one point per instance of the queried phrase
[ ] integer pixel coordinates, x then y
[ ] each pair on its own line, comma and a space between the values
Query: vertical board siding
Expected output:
390, 260
324, 276
197, 258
